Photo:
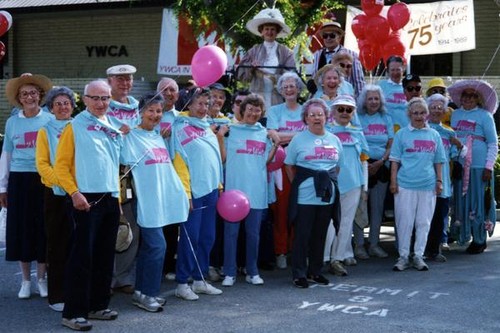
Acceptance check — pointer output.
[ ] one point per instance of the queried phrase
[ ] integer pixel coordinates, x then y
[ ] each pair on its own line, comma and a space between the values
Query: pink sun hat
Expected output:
488, 94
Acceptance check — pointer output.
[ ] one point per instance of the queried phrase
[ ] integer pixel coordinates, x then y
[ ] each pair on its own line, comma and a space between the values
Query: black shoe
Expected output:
319, 279
301, 283
475, 248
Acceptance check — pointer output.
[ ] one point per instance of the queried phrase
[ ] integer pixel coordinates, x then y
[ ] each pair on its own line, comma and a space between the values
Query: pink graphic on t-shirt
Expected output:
397, 98
158, 155
105, 130
323, 153
292, 126
446, 143
466, 126
123, 114
165, 125
29, 140
192, 133
345, 137
253, 147
422, 146
375, 129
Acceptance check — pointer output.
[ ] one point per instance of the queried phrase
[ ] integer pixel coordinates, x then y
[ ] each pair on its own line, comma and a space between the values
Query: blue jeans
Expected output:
200, 227
150, 261
252, 231
90, 264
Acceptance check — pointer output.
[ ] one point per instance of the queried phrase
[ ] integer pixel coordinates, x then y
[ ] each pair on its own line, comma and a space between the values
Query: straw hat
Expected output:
13, 85
488, 94
268, 16
331, 25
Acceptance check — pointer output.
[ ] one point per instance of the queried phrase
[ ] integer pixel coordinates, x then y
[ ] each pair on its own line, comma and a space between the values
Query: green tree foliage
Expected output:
230, 16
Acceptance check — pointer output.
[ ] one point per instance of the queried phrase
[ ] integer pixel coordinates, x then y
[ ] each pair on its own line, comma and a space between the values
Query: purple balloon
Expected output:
233, 205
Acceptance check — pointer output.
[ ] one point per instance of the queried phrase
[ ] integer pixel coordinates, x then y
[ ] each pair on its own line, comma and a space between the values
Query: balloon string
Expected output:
194, 253
234, 24
491, 61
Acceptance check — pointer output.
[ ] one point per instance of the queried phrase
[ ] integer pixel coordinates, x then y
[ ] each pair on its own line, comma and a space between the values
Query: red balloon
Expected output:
398, 15
358, 25
372, 7
369, 56
2, 50
4, 23
393, 47
209, 63
233, 205
377, 29
278, 160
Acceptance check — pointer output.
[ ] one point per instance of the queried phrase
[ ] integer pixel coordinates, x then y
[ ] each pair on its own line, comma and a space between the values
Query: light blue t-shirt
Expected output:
417, 150
97, 154
316, 152
354, 143
480, 124
167, 119
280, 118
247, 148
450, 150
197, 145
395, 103
20, 140
378, 129
124, 113
161, 199
345, 88
54, 129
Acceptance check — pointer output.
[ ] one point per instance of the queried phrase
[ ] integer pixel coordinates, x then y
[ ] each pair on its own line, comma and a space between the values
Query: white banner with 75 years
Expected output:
437, 27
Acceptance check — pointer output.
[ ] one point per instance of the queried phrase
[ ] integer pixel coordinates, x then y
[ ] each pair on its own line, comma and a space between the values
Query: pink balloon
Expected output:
233, 205
208, 65
278, 160
398, 15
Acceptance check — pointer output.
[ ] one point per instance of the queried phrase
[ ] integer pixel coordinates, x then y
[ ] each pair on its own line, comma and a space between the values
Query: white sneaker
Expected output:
57, 307
201, 287
185, 292
42, 287
402, 264
419, 263
350, 261
148, 303
255, 280
377, 251
170, 276
281, 261
25, 291
228, 281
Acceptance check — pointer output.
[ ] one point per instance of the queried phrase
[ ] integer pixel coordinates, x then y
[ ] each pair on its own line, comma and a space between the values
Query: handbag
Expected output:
124, 237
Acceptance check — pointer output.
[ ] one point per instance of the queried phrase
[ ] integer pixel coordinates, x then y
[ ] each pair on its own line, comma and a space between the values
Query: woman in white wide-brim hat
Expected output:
21, 188
474, 182
264, 63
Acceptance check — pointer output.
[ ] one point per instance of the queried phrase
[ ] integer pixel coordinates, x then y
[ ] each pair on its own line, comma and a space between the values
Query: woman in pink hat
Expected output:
474, 211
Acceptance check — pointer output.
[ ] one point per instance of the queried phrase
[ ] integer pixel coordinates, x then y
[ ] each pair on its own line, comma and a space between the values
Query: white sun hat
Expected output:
268, 16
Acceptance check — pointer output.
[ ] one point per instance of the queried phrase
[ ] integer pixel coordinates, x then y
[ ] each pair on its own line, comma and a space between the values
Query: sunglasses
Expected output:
341, 64
342, 109
469, 95
441, 91
329, 35
411, 88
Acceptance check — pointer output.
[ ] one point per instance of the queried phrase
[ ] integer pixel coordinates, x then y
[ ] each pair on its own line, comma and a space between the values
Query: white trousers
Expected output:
339, 247
413, 209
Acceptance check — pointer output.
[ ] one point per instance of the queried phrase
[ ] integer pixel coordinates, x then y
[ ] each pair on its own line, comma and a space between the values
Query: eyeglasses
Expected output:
65, 103
411, 88
26, 94
436, 107
341, 64
99, 98
316, 115
441, 91
290, 86
469, 95
331, 35
418, 113
342, 109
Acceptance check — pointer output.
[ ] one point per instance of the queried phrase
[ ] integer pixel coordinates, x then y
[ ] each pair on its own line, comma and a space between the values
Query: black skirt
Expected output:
25, 233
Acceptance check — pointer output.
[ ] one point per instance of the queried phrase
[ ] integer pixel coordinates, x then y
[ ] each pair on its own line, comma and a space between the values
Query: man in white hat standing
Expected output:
123, 113
331, 33
264, 63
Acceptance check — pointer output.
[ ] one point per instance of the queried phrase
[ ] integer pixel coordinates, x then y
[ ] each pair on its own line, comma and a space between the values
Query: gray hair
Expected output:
438, 98
287, 76
361, 101
165, 81
417, 101
312, 102
99, 82
325, 69
59, 91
